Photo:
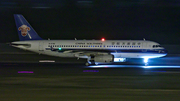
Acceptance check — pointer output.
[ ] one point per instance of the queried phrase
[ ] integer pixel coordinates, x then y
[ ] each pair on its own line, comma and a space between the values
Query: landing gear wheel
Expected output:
87, 64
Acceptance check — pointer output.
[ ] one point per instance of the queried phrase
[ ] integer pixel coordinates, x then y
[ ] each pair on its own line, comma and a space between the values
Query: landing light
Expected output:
103, 39
146, 60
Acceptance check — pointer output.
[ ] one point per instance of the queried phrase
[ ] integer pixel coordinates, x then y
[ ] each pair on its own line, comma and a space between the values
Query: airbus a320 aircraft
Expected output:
95, 51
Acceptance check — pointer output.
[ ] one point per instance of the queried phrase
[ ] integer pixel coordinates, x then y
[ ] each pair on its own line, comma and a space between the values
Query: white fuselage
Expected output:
74, 48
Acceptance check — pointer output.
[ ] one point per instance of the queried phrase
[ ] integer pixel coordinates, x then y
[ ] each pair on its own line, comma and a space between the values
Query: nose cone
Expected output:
164, 51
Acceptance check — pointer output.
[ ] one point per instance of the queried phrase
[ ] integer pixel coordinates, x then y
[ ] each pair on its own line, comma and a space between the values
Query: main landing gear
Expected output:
90, 63
87, 63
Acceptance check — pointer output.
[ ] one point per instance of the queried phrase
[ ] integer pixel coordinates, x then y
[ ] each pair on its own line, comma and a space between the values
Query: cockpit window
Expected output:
155, 46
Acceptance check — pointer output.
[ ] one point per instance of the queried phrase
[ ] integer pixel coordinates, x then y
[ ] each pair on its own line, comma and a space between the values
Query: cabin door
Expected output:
144, 46
41, 46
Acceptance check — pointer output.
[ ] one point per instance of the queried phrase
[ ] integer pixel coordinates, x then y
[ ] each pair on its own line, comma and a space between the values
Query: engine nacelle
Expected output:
104, 59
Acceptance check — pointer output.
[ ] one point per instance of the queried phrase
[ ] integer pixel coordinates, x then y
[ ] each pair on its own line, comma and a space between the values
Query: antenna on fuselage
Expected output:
75, 39
48, 38
144, 39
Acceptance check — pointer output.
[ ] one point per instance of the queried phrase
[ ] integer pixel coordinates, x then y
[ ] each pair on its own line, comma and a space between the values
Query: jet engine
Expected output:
100, 59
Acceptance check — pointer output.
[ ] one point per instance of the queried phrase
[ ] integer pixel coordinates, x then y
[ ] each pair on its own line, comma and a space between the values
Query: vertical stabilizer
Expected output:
25, 31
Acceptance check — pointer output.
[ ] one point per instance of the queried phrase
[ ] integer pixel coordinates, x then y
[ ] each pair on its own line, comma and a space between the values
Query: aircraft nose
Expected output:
164, 51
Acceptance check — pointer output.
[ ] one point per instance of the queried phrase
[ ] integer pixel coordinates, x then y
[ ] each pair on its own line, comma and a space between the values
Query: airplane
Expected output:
95, 51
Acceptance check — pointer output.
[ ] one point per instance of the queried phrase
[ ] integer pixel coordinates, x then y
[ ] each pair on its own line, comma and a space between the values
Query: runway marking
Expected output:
46, 60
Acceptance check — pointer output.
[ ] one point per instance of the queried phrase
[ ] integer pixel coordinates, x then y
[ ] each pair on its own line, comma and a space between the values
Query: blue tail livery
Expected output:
25, 31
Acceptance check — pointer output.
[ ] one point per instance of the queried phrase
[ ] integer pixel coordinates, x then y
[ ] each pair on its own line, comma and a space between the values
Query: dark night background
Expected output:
154, 20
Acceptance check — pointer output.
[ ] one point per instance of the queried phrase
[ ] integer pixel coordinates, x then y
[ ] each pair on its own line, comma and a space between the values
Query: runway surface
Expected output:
26, 76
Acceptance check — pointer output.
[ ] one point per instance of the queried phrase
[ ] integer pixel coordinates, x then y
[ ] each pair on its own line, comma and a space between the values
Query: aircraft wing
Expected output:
82, 52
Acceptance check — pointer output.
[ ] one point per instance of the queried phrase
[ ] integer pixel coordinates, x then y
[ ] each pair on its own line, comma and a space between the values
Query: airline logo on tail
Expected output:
24, 30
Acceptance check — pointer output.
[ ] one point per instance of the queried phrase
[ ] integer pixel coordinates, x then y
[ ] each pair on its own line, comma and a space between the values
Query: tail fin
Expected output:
25, 31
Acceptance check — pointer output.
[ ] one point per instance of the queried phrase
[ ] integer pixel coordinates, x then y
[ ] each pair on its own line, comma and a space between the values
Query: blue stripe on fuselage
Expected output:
160, 51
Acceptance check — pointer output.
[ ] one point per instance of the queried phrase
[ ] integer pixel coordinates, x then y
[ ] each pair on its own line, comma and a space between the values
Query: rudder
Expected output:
25, 31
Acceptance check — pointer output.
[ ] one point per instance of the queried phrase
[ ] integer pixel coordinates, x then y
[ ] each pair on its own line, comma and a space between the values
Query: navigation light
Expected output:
103, 39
